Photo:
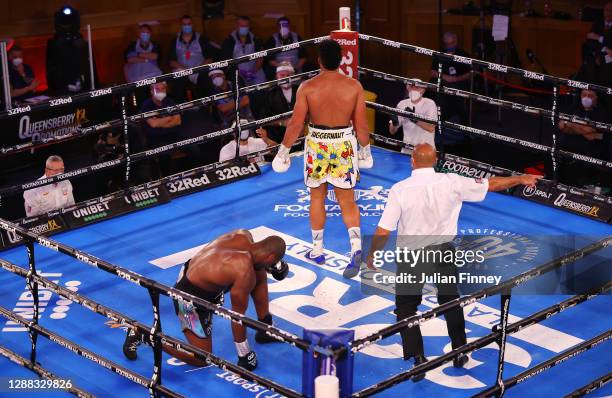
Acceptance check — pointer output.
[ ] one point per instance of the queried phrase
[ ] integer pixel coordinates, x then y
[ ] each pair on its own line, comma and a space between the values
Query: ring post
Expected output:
314, 365
349, 41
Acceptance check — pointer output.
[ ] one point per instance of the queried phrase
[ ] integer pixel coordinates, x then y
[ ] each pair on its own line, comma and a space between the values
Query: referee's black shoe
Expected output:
418, 360
460, 360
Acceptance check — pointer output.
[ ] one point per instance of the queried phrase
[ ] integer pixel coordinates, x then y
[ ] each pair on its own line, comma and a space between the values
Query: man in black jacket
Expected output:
279, 100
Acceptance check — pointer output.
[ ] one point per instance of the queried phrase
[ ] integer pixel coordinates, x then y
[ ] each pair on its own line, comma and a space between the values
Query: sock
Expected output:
355, 238
243, 348
317, 241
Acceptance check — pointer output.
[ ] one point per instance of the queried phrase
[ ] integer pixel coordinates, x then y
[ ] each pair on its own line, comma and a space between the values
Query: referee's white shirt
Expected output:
427, 205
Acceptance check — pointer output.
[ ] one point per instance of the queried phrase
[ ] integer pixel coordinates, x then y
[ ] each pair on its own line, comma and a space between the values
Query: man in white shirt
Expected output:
248, 144
426, 205
416, 132
50, 197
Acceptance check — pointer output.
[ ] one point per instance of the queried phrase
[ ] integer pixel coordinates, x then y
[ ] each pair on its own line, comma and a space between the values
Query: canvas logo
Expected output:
371, 203
25, 303
507, 248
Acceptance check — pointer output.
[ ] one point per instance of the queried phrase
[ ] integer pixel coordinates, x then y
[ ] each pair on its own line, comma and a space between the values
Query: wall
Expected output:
412, 21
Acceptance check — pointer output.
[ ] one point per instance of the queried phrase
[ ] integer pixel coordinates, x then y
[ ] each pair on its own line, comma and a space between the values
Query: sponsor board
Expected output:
200, 179
42, 225
569, 199
468, 168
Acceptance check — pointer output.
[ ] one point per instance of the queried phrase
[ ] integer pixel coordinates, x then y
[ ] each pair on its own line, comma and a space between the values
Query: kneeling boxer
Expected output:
231, 263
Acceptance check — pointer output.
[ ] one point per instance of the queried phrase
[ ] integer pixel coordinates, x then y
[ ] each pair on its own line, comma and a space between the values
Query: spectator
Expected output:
188, 50
21, 76
142, 57
162, 130
49, 197
598, 35
110, 146
416, 132
584, 140
248, 144
296, 57
226, 108
280, 99
242, 42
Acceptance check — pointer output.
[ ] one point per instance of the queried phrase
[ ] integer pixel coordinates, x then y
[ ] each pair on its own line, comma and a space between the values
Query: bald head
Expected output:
424, 155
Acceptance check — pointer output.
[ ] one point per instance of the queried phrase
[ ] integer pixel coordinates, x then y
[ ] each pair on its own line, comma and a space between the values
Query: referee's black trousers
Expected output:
407, 301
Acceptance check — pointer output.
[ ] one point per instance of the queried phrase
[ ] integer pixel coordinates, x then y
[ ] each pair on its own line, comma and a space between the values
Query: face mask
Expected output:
243, 30
159, 96
187, 29
244, 134
284, 31
286, 86
17, 61
144, 36
414, 95
217, 81
586, 102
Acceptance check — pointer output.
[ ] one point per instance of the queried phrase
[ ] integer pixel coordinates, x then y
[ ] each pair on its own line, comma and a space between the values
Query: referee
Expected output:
426, 207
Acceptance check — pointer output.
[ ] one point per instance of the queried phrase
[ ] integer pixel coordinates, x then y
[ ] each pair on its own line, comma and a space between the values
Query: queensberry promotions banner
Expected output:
24, 127
570, 199
205, 177
45, 225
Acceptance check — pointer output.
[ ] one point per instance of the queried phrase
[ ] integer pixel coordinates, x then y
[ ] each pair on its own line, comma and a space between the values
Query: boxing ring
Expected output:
69, 320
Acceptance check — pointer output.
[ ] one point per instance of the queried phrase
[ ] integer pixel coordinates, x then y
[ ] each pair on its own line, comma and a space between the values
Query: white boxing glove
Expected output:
282, 160
366, 161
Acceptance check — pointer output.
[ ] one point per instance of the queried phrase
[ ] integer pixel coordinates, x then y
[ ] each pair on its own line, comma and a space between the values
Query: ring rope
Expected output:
489, 100
119, 317
166, 111
592, 386
552, 362
81, 97
42, 372
479, 343
84, 352
493, 136
517, 280
173, 293
16, 189
487, 65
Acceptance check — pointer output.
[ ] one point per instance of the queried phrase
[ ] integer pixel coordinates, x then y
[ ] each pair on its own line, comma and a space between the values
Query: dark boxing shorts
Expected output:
198, 321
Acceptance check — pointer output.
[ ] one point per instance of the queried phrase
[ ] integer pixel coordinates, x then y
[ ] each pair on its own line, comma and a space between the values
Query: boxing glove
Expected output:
279, 270
366, 161
282, 160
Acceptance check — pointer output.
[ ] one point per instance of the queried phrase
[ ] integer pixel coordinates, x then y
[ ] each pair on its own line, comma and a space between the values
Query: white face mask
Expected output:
414, 95
245, 134
17, 61
159, 96
217, 81
586, 102
286, 86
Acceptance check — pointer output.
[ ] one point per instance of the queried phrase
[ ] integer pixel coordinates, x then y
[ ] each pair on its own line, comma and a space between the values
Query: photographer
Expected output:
415, 132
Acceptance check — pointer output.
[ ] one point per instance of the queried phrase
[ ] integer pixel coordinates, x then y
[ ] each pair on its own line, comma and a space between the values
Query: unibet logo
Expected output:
25, 303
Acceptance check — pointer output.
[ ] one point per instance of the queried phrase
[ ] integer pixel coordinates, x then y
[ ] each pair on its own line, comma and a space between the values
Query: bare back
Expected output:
221, 262
331, 98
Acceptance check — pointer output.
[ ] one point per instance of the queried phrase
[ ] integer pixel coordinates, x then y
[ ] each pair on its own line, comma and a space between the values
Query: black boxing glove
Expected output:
279, 270
249, 361
261, 336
